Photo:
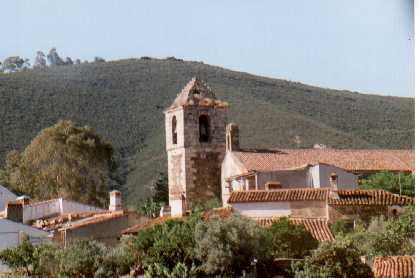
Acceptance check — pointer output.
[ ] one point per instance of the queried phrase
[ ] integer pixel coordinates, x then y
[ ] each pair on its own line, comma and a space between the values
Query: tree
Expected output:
227, 247
81, 259
99, 60
291, 241
166, 245
62, 161
161, 189
333, 259
29, 260
68, 61
54, 59
395, 183
149, 208
40, 61
14, 64
384, 237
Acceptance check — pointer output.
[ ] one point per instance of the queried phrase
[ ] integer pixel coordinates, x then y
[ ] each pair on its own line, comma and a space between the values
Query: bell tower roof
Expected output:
197, 93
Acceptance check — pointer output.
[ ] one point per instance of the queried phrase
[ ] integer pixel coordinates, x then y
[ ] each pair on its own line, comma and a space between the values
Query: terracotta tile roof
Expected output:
317, 227
52, 223
369, 197
350, 160
148, 224
95, 219
295, 194
204, 97
394, 267
341, 197
223, 212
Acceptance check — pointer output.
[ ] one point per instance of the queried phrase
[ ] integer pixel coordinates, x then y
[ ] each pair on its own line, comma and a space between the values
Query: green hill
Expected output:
124, 101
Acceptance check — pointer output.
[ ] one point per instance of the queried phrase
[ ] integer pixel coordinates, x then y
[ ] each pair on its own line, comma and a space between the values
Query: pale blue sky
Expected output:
360, 45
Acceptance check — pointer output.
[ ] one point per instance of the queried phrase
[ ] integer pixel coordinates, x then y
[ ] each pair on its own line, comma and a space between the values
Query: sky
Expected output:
358, 45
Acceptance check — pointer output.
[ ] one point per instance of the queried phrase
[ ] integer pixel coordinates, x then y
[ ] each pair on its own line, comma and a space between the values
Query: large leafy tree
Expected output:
62, 161
395, 183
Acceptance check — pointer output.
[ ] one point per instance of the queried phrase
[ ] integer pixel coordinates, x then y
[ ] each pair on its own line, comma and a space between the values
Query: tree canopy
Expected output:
62, 161
396, 183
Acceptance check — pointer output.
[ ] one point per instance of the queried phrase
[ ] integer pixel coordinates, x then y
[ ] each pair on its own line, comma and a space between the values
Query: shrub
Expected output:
333, 259
290, 241
226, 247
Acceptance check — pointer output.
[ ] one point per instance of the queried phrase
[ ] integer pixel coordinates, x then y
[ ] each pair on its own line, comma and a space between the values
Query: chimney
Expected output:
115, 202
334, 181
232, 137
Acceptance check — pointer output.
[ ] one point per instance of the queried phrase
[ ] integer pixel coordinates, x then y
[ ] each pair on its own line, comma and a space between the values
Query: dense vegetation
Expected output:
124, 100
62, 161
219, 247
400, 183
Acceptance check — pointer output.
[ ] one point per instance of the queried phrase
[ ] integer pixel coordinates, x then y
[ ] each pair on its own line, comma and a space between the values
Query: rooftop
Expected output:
196, 92
395, 266
341, 197
317, 227
350, 160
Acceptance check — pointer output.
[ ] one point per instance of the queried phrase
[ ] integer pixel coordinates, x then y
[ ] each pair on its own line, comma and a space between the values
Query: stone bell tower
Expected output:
195, 144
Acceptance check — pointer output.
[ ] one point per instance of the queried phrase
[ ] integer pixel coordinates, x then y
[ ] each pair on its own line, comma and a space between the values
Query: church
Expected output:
206, 161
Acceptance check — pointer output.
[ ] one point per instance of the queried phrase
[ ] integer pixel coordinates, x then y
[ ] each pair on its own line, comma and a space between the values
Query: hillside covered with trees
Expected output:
124, 101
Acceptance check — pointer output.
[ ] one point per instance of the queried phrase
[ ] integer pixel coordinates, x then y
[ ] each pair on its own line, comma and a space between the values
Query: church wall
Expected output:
176, 174
178, 113
203, 173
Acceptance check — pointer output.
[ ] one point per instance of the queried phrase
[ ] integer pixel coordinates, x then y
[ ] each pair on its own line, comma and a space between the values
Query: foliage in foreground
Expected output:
81, 259
226, 247
333, 259
392, 237
191, 247
62, 161
291, 241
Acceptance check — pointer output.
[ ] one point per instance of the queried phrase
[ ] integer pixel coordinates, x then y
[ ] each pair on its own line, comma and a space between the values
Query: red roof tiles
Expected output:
370, 197
151, 223
392, 267
350, 160
298, 194
317, 227
342, 197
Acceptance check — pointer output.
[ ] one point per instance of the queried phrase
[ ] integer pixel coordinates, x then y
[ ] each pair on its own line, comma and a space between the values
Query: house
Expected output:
12, 233
394, 266
324, 204
66, 220
5, 197
205, 159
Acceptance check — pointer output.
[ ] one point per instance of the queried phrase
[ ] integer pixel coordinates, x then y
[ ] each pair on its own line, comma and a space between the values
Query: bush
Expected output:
291, 241
332, 259
226, 247
165, 245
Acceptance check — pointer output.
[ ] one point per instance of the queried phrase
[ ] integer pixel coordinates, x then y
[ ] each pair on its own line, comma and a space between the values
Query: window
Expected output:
174, 131
204, 135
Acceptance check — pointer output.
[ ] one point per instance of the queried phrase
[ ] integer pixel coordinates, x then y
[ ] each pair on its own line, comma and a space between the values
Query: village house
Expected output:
64, 220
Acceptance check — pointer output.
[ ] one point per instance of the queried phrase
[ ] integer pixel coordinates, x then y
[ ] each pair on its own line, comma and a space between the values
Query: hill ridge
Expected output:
124, 101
